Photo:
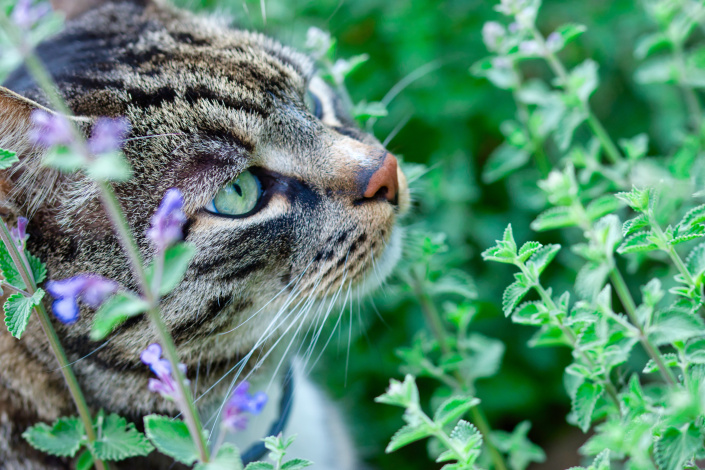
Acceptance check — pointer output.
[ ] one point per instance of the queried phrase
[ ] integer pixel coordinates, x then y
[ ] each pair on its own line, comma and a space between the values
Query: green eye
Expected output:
238, 197
313, 103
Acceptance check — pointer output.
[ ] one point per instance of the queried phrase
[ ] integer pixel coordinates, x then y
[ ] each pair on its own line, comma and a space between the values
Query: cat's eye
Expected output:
313, 103
238, 198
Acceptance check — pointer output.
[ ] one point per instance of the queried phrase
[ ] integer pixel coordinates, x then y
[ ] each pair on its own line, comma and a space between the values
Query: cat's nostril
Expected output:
383, 184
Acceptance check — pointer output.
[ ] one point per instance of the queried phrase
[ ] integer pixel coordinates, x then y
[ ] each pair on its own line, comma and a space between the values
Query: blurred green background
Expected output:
453, 126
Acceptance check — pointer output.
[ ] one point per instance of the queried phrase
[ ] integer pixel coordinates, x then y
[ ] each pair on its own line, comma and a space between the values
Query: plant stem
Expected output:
668, 248
53, 339
611, 150
433, 318
127, 241
626, 298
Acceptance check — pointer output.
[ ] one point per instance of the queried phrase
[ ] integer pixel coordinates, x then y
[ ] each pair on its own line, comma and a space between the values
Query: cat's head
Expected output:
287, 200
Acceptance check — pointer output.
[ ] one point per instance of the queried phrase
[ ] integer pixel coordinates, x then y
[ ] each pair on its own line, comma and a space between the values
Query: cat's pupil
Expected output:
238, 189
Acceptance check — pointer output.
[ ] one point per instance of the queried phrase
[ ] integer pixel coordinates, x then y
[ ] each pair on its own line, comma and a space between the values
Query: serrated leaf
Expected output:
528, 249
259, 466
637, 243
633, 225
114, 312
695, 262
602, 206
454, 408
8, 269
512, 296
693, 217
400, 393
18, 309
7, 159
669, 359
548, 335
39, 269
542, 258
407, 435
119, 440
636, 147
637, 199
176, 262
555, 217
296, 464
171, 437
583, 404
62, 439
676, 447
570, 31
590, 279
228, 458
695, 351
673, 325
650, 43
467, 436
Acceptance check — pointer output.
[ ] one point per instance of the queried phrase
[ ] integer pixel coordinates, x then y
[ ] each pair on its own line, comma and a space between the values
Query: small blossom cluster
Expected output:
165, 383
25, 14
241, 402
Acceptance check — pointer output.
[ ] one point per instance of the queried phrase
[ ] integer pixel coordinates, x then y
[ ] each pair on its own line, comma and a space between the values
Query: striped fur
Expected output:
205, 102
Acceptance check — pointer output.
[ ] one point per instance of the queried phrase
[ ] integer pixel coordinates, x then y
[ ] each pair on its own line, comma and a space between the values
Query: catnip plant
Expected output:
102, 437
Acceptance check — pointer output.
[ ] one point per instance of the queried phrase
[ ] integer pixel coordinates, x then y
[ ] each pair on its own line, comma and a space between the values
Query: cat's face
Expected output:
311, 218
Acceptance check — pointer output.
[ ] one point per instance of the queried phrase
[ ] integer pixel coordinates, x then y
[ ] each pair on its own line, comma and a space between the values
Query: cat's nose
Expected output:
384, 182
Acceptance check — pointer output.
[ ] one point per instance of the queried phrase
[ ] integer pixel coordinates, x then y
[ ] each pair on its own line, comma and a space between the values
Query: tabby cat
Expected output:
289, 204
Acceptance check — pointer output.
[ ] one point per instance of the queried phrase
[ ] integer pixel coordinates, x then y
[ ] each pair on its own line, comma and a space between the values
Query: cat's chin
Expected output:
384, 265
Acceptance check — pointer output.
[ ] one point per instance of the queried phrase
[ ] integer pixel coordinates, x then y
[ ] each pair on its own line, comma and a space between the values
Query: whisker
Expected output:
397, 129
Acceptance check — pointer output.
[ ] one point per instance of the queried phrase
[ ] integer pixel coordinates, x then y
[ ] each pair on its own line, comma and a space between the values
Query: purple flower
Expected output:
90, 288
25, 15
168, 220
108, 135
50, 129
19, 233
240, 403
164, 384
554, 41
492, 34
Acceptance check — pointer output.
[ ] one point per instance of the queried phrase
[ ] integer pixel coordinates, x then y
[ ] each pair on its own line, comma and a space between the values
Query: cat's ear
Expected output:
74, 8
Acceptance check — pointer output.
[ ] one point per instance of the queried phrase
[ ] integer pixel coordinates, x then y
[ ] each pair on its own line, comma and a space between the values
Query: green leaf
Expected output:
400, 393
675, 324
62, 439
635, 224
660, 69
64, 159
18, 309
520, 450
582, 80
530, 313
637, 199
39, 269
636, 147
454, 281
454, 408
512, 296
695, 262
505, 251
602, 206
637, 243
695, 351
677, 446
468, 437
171, 437
228, 458
114, 312
503, 161
408, 434
8, 269
591, 279
692, 219
176, 262
542, 258
528, 249
566, 127
259, 466
650, 43
548, 335
118, 440
669, 359
555, 217
570, 31
583, 404
111, 166
7, 159
296, 464
364, 110
84, 461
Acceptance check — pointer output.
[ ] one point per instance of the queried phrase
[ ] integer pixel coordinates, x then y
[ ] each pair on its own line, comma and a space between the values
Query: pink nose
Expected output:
383, 183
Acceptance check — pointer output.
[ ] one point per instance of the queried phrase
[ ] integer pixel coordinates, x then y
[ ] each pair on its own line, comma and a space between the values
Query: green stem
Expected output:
433, 318
127, 241
53, 339
560, 71
668, 248
626, 298
695, 112
441, 435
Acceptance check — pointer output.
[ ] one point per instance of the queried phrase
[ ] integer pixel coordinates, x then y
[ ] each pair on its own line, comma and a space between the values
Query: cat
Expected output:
207, 105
